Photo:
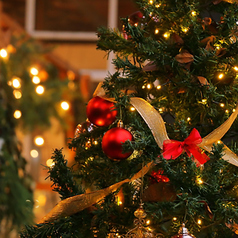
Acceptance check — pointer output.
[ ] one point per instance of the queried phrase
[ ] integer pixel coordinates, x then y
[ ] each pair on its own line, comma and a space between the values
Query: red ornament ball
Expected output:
101, 112
112, 143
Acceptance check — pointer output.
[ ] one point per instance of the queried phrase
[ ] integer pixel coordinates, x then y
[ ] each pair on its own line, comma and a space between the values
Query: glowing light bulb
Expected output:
174, 218
147, 222
235, 68
136, 24
222, 105
185, 29
39, 141
17, 114
151, 1
36, 80
40, 89
193, 13
50, 163
199, 221
3, 53
65, 106
218, 142
34, 71
157, 5
156, 31
160, 109
158, 87
132, 109
17, 94
188, 119
199, 180
221, 76
95, 142
149, 86
34, 153
16, 83
204, 101
143, 87
166, 35
233, 110
226, 111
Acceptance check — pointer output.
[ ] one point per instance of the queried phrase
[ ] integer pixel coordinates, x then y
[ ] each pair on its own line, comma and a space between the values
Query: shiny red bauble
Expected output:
101, 112
112, 143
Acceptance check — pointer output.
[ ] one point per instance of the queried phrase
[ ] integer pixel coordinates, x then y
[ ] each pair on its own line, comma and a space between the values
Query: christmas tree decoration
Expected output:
101, 112
183, 233
86, 126
112, 142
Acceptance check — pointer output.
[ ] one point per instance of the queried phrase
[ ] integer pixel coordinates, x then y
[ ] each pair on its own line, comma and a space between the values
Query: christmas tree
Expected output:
157, 155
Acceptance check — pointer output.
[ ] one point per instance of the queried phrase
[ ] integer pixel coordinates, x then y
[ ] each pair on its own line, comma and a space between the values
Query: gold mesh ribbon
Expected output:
72, 205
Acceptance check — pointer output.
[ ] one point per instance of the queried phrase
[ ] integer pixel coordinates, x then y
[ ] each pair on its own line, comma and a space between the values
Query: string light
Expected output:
185, 29
218, 142
158, 87
39, 141
204, 101
151, 1
40, 89
166, 35
235, 68
222, 105
234, 110
226, 111
156, 31
199, 221
143, 87
17, 114
199, 180
65, 105
3, 53
193, 13
149, 86
221, 76
95, 142
161, 110
158, 5
132, 109
50, 163
174, 218
34, 153
16, 83
188, 119
147, 222
17, 94
34, 71
36, 80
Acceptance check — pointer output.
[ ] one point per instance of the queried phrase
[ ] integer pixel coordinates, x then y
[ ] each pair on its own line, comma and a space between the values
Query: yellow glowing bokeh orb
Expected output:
65, 105
40, 89
50, 163
16, 83
36, 80
39, 141
17, 94
41, 200
17, 114
34, 71
3, 53
34, 153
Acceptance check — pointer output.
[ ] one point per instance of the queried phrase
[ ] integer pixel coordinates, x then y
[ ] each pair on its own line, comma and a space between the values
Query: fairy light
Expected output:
222, 105
166, 35
95, 142
91, 158
185, 29
17, 94
39, 141
34, 153
193, 13
158, 5
148, 222
3, 53
36, 80
64, 105
156, 31
204, 101
158, 87
218, 142
199, 221
149, 86
40, 89
17, 114
199, 180
143, 87
221, 76
16, 83
235, 68
234, 110
132, 109
174, 218
151, 1
34, 71
189, 119
136, 24
226, 111
160, 109
50, 163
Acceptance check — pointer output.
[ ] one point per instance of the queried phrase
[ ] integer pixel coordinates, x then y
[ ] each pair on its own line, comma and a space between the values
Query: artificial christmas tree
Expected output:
175, 90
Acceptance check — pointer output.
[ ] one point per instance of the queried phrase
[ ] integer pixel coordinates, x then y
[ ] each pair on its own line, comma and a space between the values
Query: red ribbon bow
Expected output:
172, 148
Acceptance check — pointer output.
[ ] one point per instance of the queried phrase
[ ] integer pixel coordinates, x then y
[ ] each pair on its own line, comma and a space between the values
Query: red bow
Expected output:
172, 148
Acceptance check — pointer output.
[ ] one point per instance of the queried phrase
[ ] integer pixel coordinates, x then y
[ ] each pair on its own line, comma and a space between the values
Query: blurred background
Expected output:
58, 40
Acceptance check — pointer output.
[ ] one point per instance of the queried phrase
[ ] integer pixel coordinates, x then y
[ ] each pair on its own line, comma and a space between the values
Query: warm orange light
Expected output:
40, 89
36, 80
50, 163
65, 105
156, 31
34, 153
17, 94
17, 114
39, 140
3, 53
221, 76
34, 71
16, 82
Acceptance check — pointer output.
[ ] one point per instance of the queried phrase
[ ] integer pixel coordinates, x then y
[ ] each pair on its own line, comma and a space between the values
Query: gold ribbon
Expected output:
72, 205
157, 126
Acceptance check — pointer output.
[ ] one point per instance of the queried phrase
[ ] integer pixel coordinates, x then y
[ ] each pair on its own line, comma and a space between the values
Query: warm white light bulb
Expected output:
50, 163
3, 53
221, 76
65, 105
35, 79
34, 71
34, 153
39, 141
17, 94
16, 83
17, 114
40, 89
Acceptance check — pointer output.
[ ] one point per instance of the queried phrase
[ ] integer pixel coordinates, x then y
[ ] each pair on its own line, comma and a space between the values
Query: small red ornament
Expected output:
112, 143
158, 177
101, 112
183, 233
